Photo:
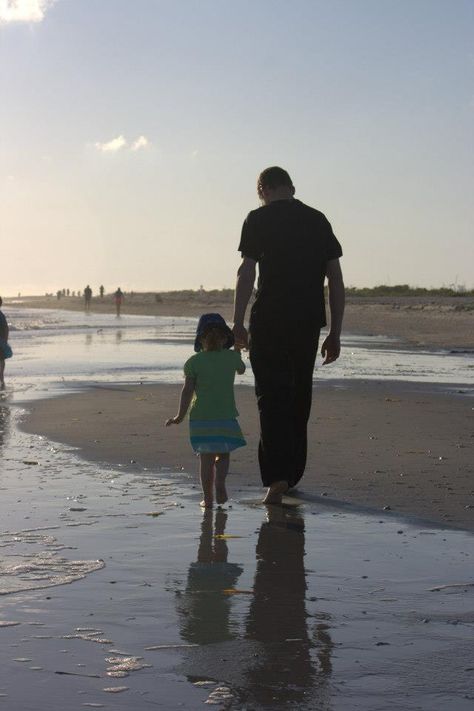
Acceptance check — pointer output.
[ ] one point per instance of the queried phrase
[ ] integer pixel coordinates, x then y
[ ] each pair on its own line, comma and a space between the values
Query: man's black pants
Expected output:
284, 388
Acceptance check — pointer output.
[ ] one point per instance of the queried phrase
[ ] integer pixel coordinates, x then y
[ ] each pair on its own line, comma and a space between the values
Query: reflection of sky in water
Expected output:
299, 608
64, 349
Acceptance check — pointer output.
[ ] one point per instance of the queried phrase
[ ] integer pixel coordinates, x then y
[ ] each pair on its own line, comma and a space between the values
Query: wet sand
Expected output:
439, 322
304, 607
394, 447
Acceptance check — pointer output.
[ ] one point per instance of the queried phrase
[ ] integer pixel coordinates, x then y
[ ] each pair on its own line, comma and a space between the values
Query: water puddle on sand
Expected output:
303, 607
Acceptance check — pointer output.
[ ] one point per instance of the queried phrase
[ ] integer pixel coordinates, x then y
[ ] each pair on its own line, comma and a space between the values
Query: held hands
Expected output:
241, 337
331, 349
173, 421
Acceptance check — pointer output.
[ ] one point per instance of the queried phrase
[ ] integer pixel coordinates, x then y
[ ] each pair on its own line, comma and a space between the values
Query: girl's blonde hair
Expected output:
213, 339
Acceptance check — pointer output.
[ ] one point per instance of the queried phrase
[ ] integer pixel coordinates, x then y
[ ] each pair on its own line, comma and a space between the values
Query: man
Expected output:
87, 297
295, 249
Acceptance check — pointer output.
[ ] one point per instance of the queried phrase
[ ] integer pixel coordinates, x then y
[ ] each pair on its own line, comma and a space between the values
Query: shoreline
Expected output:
371, 444
424, 322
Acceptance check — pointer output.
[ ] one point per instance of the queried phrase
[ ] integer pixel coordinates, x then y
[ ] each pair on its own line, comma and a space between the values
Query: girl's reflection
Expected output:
203, 608
290, 668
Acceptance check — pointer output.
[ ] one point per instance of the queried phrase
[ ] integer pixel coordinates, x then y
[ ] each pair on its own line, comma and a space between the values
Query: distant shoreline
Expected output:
421, 321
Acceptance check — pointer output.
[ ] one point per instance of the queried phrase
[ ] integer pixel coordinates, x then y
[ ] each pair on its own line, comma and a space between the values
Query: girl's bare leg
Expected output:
222, 469
206, 472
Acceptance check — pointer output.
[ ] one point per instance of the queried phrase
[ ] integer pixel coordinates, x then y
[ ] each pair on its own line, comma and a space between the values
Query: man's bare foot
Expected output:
275, 492
221, 493
206, 504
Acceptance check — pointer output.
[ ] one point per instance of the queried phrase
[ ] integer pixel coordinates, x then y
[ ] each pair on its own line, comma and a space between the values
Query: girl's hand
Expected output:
173, 421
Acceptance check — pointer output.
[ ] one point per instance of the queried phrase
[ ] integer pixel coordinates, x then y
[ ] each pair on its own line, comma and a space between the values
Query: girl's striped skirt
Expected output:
215, 436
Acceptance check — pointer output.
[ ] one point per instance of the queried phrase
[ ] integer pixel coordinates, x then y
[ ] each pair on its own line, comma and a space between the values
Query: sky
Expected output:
132, 133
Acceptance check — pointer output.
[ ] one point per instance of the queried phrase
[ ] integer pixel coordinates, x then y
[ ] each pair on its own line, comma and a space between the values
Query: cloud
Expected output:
24, 10
141, 142
116, 144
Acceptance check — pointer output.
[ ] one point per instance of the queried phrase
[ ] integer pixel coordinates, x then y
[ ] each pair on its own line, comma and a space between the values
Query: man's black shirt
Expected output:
292, 244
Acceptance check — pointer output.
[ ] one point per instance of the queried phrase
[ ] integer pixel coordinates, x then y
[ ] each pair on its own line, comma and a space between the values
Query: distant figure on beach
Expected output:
101, 291
295, 249
87, 297
118, 299
5, 350
209, 384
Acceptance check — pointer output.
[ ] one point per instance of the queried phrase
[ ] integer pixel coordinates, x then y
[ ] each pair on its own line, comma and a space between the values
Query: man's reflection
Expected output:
290, 669
203, 609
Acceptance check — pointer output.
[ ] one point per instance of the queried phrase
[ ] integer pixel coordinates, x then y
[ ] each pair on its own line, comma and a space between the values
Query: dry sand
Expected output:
372, 444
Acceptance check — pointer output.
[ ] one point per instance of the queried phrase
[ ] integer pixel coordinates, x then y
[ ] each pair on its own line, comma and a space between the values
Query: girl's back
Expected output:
214, 374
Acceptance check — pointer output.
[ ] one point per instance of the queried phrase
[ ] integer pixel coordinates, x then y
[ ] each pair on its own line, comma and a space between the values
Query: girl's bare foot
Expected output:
275, 492
206, 504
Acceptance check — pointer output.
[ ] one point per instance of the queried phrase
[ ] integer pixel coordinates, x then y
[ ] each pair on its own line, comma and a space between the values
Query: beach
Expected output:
370, 444
119, 592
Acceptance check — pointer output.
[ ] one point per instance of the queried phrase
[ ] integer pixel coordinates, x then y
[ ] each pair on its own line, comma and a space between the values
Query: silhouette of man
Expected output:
295, 249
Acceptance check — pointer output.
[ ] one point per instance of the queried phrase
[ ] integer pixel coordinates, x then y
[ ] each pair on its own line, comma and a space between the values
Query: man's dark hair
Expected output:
272, 178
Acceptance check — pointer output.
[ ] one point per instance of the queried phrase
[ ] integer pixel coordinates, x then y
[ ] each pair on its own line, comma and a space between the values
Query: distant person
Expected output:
87, 297
209, 384
5, 350
295, 249
101, 291
118, 299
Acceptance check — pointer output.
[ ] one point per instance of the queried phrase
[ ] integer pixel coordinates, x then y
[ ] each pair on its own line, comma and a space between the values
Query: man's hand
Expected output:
331, 349
241, 336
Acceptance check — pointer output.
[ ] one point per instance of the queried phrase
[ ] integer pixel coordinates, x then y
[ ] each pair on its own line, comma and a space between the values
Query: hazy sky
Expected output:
132, 132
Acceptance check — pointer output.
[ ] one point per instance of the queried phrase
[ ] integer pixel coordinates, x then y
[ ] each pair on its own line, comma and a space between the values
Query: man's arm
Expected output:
331, 347
243, 292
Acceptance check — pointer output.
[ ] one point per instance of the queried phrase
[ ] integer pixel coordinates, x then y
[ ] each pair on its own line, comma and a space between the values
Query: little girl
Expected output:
209, 384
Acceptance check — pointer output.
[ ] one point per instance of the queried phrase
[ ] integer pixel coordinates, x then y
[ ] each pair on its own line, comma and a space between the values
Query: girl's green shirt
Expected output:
214, 375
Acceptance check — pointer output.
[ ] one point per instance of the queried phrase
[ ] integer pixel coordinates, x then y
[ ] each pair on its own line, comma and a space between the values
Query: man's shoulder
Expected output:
311, 211
255, 214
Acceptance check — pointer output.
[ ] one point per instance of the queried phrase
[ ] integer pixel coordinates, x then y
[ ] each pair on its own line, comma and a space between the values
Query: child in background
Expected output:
209, 385
5, 350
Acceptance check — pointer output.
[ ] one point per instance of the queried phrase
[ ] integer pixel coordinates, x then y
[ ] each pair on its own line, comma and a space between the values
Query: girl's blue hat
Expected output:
207, 320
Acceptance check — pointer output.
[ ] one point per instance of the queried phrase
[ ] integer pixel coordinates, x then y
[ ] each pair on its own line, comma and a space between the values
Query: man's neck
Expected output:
282, 193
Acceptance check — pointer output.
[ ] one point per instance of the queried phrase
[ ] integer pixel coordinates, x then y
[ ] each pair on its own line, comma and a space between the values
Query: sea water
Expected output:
57, 351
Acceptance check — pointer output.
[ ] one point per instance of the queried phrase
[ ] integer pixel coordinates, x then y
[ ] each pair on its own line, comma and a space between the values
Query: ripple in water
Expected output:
20, 571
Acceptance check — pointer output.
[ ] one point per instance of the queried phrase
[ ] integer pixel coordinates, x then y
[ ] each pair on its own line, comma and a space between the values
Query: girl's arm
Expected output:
184, 402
